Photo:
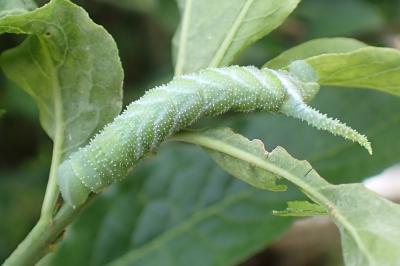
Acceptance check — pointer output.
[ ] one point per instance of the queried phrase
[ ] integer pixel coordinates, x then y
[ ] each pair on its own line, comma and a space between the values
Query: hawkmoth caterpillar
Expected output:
166, 109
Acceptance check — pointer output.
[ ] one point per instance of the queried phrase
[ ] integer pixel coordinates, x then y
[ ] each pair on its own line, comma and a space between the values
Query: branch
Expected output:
43, 237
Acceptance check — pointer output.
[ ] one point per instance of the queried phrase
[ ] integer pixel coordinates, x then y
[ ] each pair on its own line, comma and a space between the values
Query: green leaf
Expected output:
70, 66
377, 116
347, 62
368, 225
182, 184
314, 48
240, 169
302, 208
358, 213
369, 67
212, 33
2, 112
206, 216
8, 7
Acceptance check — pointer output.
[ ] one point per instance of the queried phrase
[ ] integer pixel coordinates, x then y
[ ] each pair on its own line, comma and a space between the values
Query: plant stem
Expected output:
42, 238
47, 231
183, 38
52, 191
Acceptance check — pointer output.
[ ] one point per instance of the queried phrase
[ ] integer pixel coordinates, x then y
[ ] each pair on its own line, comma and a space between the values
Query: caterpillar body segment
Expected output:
166, 109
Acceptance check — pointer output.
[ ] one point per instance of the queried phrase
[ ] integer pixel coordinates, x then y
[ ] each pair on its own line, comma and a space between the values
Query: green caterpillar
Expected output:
167, 109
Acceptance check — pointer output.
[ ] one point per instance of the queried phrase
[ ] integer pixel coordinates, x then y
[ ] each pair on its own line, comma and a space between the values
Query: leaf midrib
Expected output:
217, 145
52, 190
57, 96
183, 38
223, 48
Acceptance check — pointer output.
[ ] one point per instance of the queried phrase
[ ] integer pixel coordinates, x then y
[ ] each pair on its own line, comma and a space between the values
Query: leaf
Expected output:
301, 208
369, 67
347, 62
2, 112
340, 160
358, 213
175, 209
212, 33
313, 48
8, 7
377, 116
70, 66
240, 169
368, 225
181, 184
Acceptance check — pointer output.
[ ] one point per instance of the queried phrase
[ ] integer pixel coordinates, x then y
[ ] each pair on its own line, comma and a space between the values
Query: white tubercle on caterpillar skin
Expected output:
320, 121
295, 107
167, 109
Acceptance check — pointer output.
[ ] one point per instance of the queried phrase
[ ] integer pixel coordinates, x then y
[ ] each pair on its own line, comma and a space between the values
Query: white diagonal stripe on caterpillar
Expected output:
168, 108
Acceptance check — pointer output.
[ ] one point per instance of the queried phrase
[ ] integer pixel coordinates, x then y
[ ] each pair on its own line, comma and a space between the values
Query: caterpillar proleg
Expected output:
166, 109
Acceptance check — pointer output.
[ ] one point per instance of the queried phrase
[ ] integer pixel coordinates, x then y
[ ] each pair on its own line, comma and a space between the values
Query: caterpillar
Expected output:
166, 109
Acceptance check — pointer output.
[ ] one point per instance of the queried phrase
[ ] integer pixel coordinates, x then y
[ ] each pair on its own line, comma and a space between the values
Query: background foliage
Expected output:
203, 209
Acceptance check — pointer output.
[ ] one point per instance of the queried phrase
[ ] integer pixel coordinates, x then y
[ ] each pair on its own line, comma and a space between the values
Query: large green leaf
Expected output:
358, 213
70, 66
239, 168
347, 62
369, 67
177, 209
181, 187
314, 48
212, 33
377, 116
8, 7
368, 225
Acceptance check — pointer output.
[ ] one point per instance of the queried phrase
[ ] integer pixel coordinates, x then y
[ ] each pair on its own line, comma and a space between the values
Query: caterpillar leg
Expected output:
72, 190
300, 110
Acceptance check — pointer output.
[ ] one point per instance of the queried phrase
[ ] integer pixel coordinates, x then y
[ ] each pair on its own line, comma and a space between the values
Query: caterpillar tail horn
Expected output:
314, 118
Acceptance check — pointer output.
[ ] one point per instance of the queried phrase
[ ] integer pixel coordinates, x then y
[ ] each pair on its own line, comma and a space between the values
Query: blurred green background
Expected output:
143, 30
